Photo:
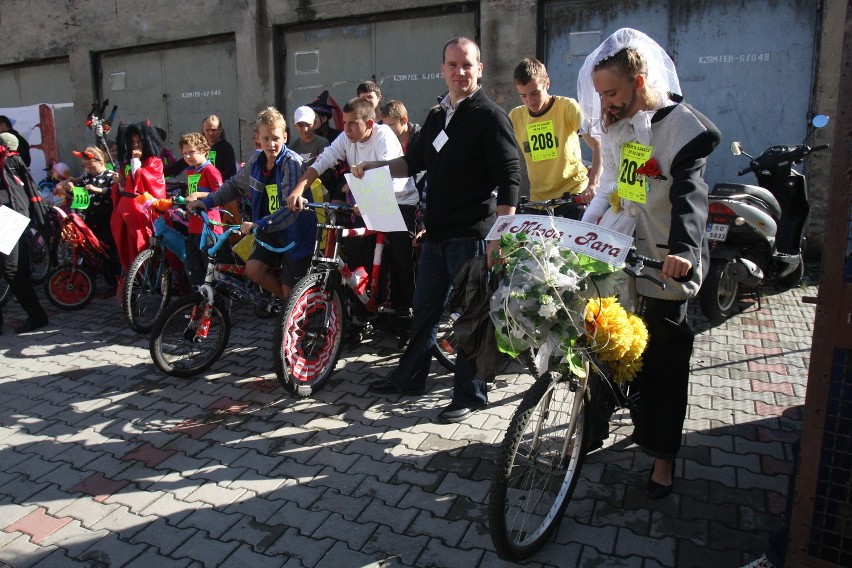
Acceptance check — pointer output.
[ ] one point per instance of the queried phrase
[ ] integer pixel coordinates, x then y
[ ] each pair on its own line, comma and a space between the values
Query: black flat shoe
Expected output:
656, 490
387, 387
30, 325
457, 413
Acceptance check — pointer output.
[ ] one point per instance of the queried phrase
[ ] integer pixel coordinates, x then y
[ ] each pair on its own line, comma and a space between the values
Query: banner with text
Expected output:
591, 240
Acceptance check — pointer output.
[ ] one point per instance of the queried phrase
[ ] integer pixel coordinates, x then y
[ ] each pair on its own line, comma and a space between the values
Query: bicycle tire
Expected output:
70, 288
533, 482
446, 343
308, 337
41, 255
147, 289
5, 292
173, 344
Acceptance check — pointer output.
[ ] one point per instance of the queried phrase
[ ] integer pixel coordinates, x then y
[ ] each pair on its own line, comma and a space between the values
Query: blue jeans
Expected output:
439, 264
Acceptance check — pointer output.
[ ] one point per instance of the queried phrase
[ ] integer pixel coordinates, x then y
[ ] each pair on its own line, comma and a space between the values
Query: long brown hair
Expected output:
628, 63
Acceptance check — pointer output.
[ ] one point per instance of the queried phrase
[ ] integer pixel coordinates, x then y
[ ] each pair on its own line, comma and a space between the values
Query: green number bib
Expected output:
192, 183
272, 197
542, 140
80, 198
632, 186
211, 155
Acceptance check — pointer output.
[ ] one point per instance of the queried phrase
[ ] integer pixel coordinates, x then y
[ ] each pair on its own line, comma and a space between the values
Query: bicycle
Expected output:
72, 285
148, 284
546, 441
192, 332
309, 334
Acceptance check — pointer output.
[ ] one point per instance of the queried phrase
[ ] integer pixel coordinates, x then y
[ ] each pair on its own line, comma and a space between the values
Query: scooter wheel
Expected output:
792, 280
718, 294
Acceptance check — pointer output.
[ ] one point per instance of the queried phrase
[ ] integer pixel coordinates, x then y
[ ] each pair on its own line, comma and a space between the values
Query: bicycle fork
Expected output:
199, 321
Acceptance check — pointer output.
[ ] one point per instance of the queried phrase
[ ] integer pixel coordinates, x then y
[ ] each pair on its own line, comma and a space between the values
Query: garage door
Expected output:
175, 87
402, 56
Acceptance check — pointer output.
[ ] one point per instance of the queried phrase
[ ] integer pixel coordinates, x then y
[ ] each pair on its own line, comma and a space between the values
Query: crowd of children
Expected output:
119, 195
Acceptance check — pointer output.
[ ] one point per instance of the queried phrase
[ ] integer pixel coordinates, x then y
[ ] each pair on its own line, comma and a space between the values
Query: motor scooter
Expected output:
756, 232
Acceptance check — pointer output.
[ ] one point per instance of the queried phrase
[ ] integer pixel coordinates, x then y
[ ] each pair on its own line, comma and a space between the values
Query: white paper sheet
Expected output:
376, 200
12, 225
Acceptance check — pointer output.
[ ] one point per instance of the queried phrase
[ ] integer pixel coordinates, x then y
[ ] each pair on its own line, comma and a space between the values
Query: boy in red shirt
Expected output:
202, 179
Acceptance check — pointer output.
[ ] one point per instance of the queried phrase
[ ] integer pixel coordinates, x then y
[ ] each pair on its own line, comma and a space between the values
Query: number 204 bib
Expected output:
630, 185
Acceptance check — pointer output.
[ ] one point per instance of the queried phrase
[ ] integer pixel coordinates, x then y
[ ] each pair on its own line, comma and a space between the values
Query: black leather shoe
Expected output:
387, 387
457, 412
30, 325
656, 490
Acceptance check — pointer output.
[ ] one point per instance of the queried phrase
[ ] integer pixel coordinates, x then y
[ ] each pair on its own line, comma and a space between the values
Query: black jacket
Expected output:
480, 157
20, 192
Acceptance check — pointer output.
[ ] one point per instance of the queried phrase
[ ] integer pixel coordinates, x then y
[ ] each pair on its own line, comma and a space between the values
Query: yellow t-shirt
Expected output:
551, 148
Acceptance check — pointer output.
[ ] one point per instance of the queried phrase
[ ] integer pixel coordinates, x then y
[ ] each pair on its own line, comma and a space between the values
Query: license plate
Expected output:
717, 231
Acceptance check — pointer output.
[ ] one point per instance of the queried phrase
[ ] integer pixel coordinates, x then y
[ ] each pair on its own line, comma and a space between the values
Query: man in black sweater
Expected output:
467, 148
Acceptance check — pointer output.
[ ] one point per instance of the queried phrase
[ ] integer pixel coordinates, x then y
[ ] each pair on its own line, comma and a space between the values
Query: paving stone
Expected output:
395, 545
208, 551
436, 554
20, 552
38, 524
245, 556
215, 495
308, 550
163, 535
355, 534
341, 555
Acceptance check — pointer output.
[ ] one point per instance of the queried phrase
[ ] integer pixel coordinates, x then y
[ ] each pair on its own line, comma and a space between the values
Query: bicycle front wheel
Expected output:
70, 287
308, 336
146, 290
538, 467
446, 343
174, 343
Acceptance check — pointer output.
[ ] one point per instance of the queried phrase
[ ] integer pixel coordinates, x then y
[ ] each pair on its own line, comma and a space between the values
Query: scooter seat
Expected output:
732, 190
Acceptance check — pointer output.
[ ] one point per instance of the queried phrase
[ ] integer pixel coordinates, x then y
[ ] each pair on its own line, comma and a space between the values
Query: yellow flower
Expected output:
619, 338
615, 201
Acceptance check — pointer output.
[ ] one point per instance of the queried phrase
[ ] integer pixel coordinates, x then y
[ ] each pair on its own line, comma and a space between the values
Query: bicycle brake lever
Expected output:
636, 272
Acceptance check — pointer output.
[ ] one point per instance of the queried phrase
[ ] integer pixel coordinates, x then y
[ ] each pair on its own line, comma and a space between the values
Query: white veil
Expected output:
662, 75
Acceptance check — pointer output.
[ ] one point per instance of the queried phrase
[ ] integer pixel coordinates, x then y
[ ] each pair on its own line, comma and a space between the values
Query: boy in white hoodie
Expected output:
365, 140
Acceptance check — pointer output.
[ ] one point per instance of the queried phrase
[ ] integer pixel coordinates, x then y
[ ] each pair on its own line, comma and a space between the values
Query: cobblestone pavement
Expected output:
106, 462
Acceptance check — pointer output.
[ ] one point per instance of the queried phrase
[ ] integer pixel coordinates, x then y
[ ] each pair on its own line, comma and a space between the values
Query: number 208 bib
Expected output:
630, 185
542, 140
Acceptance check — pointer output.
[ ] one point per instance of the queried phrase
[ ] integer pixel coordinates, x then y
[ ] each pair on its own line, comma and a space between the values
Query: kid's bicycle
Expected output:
72, 285
547, 438
310, 332
192, 332
149, 282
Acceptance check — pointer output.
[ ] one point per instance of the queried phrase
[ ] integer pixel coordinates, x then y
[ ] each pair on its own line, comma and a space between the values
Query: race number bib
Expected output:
542, 140
80, 198
630, 185
192, 183
211, 155
272, 197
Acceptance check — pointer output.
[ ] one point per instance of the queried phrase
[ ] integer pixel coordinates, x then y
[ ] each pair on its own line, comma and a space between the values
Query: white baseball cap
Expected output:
62, 170
304, 114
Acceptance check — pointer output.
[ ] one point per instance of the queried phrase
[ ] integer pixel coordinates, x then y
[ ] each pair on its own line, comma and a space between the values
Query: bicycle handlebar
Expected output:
235, 229
548, 204
634, 263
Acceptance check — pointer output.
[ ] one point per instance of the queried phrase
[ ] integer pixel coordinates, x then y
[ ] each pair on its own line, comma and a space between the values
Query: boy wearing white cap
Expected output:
309, 144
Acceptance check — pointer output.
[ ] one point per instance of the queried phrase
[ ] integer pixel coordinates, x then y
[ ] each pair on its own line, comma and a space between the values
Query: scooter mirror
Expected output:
819, 121
736, 148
